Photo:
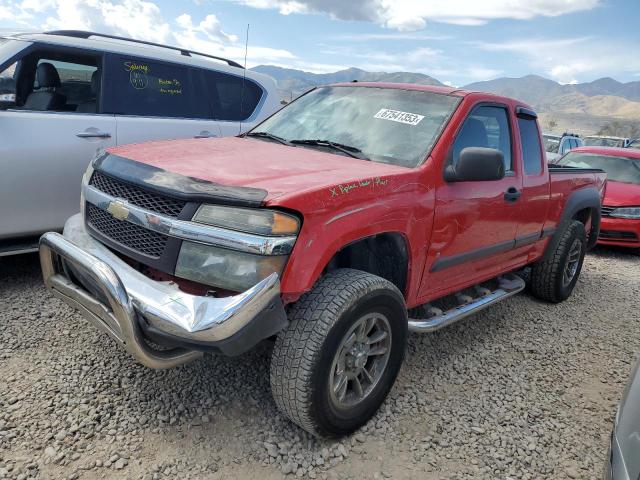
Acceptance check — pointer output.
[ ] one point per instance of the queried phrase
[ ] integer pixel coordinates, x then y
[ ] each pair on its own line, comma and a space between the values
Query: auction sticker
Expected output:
398, 116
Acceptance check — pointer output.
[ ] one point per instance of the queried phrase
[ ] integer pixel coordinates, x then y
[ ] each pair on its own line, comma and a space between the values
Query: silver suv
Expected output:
556, 146
64, 95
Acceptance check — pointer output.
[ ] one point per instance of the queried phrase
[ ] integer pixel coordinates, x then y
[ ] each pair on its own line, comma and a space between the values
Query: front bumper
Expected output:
621, 232
132, 308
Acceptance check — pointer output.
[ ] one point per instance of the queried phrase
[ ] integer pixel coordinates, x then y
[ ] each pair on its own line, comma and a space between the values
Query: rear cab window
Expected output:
530, 142
149, 88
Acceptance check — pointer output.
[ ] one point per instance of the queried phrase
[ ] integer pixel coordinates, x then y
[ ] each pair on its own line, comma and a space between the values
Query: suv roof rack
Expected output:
187, 53
569, 134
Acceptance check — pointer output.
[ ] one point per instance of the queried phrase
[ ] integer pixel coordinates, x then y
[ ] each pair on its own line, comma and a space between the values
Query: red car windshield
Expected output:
619, 169
385, 124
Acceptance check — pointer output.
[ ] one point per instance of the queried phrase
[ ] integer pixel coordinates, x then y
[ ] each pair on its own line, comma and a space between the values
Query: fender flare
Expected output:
579, 200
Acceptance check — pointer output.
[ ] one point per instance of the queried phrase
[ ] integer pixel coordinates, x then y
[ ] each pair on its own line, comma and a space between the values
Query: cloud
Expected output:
411, 15
569, 59
210, 27
143, 20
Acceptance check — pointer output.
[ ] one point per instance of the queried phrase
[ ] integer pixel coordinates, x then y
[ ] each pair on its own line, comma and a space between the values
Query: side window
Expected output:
52, 80
153, 89
8, 85
75, 81
230, 100
486, 126
531, 150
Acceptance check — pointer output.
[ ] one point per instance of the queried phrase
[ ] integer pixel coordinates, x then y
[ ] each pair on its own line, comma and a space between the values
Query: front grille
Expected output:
140, 239
606, 210
137, 196
618, 235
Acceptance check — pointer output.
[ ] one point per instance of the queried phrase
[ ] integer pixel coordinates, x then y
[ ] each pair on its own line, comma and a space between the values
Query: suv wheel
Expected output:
334, 365
554, 277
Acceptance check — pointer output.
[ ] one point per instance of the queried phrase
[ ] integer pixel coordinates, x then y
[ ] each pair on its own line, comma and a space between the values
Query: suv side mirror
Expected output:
476, 164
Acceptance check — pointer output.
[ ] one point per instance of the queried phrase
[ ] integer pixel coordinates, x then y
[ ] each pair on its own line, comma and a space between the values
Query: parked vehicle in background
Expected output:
356, 213
621, 204
557, 145
606, 141
65, 95
623, 460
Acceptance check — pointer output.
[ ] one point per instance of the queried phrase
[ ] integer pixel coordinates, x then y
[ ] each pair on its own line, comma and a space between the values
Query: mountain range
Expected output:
583, 107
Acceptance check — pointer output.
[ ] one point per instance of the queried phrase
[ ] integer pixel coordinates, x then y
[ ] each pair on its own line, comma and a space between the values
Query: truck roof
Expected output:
461, 92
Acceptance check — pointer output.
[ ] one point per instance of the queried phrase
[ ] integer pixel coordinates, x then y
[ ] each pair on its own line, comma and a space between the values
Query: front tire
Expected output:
334, 365
555, 275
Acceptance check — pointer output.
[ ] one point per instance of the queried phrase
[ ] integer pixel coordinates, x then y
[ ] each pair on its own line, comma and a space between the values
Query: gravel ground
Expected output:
522, 390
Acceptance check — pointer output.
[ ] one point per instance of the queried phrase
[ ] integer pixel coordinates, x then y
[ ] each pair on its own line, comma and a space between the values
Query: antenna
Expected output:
244, 77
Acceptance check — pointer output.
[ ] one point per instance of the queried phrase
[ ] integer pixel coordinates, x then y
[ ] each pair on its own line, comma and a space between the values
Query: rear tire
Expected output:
555, 275
334, 365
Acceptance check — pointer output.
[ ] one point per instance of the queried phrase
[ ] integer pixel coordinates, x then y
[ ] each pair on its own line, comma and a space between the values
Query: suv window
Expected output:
8, 84
230, 100
75, 81
486, 126
45, 80
531, 149
153, 89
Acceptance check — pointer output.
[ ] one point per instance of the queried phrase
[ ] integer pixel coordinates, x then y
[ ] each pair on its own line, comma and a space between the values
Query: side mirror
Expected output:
476, 164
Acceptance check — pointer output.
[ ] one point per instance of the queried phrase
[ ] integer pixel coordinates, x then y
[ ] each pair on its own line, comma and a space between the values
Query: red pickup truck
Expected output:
357, 213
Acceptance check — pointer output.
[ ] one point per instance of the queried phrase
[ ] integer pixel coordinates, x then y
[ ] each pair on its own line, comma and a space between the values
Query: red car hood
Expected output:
620, 194
246, 162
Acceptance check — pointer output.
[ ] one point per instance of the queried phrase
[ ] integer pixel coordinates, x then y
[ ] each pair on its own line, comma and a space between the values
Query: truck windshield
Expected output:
380, 124
551, 144
619, 169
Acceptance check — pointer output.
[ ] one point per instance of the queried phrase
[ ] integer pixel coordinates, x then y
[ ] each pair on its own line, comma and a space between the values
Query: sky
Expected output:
455, 41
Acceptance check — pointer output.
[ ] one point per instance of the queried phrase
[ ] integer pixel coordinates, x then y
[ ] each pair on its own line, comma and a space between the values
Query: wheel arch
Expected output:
582, 205
385, 254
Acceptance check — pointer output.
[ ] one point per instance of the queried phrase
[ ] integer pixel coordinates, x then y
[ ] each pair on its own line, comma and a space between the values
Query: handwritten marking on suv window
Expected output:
398, 116
344, 189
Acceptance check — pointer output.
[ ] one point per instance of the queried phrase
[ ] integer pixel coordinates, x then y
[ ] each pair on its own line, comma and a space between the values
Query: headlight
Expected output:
228, 269
626, 212
250, 220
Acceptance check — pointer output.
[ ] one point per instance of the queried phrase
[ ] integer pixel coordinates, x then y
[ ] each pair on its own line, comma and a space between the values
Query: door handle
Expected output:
512, 194
93, 135
205, 134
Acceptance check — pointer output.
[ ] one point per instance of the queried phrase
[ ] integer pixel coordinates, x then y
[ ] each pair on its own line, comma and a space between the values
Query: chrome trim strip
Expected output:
128, 294
195, 232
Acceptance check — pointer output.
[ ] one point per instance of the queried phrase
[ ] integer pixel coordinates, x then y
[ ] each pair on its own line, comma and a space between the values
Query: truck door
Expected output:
535, 180
155, 100
48, 134
475, 222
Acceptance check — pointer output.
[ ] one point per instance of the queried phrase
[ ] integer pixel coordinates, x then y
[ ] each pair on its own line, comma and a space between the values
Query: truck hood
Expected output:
619, 194
252, 164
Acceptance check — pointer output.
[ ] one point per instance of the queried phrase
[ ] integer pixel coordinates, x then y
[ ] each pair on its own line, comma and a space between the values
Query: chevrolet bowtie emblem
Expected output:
118, 210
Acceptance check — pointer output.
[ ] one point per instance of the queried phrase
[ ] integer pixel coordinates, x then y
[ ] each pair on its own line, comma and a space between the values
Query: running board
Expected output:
469, 301
28, 246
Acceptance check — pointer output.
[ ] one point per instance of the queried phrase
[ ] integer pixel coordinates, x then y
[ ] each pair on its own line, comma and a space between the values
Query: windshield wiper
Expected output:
269, 136
354, 152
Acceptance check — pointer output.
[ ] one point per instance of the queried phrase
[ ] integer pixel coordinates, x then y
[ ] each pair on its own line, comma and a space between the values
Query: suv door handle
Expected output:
93, 135
512, 194
205, 134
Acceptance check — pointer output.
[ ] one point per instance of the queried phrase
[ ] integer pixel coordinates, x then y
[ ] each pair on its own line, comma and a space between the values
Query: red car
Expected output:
355, 214
621, 205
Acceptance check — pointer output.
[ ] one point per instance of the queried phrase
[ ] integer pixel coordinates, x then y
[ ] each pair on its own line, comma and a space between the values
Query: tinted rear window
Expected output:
230, 100
531, 149
153, 89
